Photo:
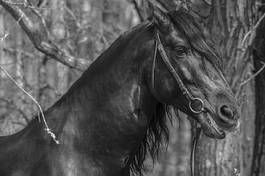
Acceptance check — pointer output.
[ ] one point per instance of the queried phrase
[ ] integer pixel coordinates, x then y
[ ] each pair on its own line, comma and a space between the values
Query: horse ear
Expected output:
161, 20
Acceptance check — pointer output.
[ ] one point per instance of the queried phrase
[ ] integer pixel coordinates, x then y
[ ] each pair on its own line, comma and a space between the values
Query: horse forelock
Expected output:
187, 24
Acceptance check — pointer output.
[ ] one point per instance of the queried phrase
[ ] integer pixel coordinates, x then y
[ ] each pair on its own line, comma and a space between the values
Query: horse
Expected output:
116, 112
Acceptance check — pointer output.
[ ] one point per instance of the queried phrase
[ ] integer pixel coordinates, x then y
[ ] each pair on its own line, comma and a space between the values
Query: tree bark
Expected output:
228, 22
37, 32
65, 34
258, 163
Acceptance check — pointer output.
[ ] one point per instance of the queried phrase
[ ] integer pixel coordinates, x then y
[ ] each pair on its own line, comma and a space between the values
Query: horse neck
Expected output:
110, 93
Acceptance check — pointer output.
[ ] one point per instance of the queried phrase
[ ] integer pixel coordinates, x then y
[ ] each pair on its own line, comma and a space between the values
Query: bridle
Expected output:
196, 105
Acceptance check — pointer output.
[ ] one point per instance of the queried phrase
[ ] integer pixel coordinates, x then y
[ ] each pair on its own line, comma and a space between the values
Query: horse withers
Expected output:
116, 112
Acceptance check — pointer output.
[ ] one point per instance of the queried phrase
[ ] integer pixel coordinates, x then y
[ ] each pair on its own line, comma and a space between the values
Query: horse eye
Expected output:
180, 50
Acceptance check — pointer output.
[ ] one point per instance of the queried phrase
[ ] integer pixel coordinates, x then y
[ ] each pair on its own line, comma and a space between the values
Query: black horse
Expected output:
116, 112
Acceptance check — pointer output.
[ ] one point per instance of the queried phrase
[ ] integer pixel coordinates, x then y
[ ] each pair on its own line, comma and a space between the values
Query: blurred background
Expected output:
86, 28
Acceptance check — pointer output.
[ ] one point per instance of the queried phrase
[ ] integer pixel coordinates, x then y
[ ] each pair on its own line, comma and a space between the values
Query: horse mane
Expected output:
156, 136
158, 133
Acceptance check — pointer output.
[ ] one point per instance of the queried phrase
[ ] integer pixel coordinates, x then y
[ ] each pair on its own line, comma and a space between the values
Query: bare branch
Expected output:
243, 83
38, 34
252, 33
138, 10
159, 5
23, 52
71, 13
41, 114
253, 76
167, 5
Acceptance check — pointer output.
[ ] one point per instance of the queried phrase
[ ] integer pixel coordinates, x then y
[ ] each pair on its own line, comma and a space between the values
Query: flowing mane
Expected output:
113, 117
157, 133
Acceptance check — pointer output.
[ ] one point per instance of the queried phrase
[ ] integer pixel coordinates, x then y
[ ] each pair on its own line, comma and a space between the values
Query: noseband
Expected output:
196, 105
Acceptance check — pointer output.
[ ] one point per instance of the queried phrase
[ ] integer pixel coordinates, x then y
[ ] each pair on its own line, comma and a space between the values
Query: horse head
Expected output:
186, 73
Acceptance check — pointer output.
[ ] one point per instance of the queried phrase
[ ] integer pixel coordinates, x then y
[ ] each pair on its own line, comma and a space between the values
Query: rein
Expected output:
194, 146
196, 105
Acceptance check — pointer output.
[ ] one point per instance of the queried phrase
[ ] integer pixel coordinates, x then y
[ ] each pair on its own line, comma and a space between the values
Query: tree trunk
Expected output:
258, 163
77, 28
228, 22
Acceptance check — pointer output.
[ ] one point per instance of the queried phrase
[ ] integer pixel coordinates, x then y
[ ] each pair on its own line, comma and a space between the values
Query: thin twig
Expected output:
253, 76
246, 36
158, 5
243, 83
71, 13
25, 4
14, 3
21, 16
251, 33
47, 129
138, 10
39, 35
25, 54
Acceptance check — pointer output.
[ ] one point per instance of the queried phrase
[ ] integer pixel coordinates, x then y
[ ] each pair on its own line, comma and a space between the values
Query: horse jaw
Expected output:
209, 126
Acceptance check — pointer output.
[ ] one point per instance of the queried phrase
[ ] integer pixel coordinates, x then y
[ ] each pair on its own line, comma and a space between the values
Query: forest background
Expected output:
83, 29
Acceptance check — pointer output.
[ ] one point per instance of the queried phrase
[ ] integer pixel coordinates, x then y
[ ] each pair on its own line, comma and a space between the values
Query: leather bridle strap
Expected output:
193, 102
154, 66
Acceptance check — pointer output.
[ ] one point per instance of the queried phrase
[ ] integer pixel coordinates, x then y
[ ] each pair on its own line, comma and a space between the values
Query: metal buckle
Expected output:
195, 102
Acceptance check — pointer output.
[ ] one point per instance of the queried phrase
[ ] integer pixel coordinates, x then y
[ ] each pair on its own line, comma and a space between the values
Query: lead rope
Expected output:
41, 114
194, 146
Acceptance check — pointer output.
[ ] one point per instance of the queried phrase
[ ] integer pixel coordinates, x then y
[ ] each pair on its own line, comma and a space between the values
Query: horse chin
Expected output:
209, 126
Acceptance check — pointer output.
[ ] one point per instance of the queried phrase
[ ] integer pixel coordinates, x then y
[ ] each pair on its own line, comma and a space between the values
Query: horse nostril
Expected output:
226, 112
